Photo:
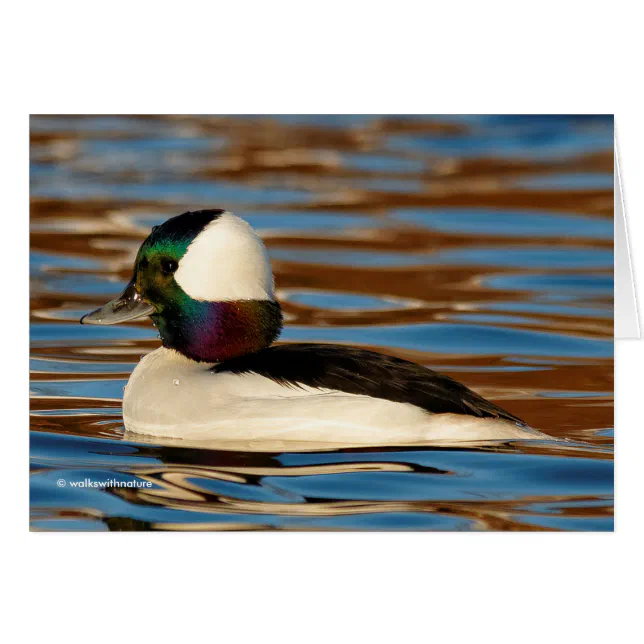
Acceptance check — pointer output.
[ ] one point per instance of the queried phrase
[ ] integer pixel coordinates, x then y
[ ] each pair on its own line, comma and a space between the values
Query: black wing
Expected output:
358, 371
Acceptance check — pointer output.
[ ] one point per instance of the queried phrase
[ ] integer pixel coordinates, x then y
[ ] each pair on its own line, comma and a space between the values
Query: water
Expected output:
480, 246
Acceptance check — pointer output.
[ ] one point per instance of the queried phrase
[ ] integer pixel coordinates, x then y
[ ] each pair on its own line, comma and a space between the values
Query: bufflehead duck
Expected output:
205, 279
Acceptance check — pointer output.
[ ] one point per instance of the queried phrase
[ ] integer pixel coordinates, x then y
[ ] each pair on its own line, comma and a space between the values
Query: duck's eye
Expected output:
168, 266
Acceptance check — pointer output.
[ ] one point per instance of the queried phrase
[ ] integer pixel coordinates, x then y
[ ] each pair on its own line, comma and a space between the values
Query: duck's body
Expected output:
260, 398
205, 279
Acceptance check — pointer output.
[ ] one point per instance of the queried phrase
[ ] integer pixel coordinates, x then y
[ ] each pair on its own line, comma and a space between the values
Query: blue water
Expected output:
480, 246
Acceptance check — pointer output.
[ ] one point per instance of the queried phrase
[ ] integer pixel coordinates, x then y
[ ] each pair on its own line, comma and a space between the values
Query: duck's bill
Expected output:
129, 306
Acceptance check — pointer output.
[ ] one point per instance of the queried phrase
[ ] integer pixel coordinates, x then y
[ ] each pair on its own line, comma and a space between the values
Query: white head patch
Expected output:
226, 261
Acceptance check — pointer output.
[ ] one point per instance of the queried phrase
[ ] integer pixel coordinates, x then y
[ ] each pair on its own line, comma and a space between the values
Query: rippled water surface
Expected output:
479, 246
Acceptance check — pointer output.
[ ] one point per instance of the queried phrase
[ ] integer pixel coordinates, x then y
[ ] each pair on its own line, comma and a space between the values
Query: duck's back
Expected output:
357, 371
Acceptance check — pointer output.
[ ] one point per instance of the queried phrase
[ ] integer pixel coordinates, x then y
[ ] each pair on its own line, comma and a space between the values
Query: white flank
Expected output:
226, 261
171, 396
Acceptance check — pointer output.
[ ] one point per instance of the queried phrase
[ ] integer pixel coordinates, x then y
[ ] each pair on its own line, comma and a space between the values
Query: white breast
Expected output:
171, 396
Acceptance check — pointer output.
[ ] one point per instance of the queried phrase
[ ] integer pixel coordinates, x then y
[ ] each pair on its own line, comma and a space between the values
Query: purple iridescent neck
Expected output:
218, 331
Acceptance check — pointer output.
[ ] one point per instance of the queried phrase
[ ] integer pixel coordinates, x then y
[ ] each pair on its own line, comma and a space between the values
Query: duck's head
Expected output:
205, 279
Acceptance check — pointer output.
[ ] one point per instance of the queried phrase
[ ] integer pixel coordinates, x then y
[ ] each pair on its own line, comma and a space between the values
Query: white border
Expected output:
626, 320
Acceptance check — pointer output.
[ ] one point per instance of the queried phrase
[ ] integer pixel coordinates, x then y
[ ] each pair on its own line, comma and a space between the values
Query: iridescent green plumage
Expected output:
201, 330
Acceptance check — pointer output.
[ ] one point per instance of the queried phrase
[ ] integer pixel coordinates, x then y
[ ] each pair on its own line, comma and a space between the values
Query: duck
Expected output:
204, 278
